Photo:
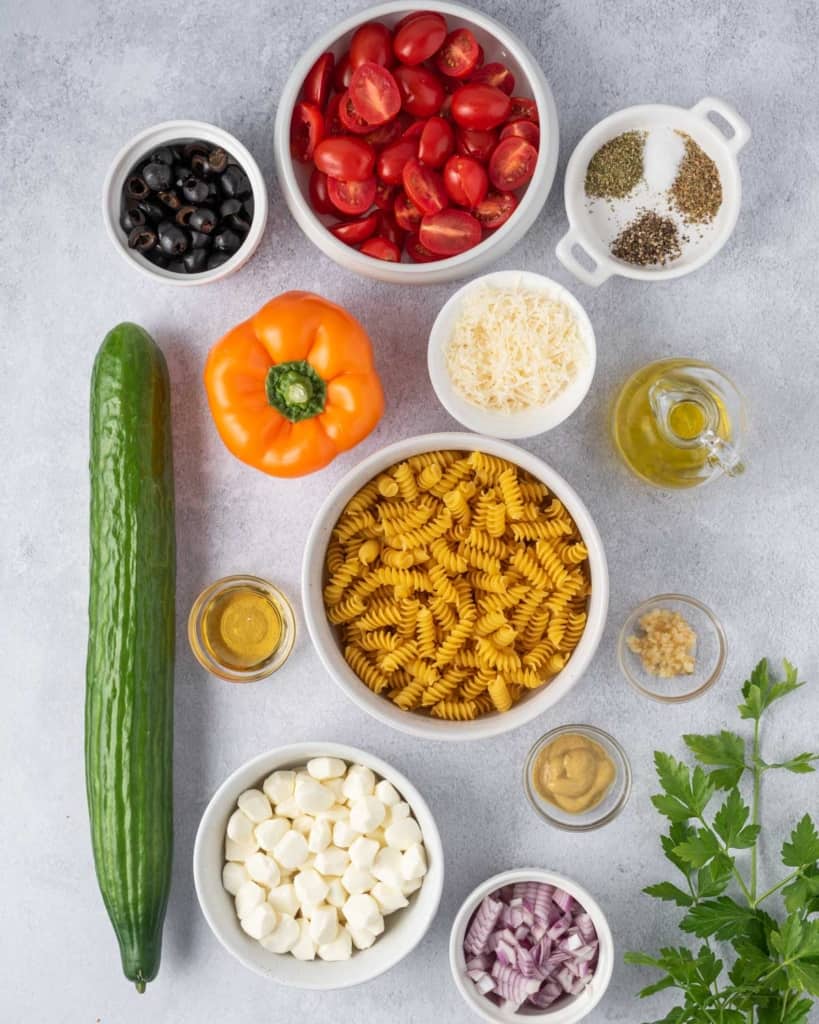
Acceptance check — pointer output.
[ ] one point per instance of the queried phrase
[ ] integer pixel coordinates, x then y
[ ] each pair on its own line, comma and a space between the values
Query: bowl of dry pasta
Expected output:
454, 586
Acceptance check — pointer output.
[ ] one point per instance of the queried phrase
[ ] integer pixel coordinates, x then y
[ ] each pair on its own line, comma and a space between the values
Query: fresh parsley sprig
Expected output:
774, 961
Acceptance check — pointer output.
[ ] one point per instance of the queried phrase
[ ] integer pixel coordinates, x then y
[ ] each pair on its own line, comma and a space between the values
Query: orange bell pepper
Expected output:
293, 386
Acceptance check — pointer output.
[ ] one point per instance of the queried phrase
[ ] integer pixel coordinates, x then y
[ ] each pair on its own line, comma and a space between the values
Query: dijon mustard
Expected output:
573, 772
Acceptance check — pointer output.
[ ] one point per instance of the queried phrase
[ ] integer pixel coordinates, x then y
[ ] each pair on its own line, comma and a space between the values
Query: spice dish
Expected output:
679, 247
709, 651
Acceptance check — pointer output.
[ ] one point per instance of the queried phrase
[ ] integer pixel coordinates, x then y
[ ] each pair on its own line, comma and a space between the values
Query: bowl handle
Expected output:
564, 251
741, 130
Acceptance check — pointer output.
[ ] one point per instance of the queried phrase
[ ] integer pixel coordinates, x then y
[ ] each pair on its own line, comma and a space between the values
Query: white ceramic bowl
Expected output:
527, 422
566, 1011
324, 636
499, 44
404, 929
161, 135
591, 228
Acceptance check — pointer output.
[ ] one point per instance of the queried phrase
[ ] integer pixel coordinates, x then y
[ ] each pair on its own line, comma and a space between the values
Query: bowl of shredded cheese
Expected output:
511, 354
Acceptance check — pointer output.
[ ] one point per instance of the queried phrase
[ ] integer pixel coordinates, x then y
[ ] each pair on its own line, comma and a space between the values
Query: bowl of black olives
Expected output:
185, 202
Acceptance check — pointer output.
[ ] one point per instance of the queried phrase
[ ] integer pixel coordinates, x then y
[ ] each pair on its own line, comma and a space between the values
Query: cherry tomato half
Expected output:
476, 142
354, 232
495, 209
319, 79
390, 164
476, 105
407, 214
465, 180
421, 91
388, 228
382, 249
449, 232
350, 117
351, 159
386, 134
333, 125
385, 195
319, 199
306, 131
424, 187
374, 93
371, 41
522, 130
459, 54
512, 164
351, 196
419, 253
436, 142
496, 74
419, 37
523, 109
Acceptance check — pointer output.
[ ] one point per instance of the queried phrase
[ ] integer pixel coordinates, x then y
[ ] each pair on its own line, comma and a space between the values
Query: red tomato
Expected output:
475, 142
384, 196
351, 159
524, 109
523, 130
386, 134
351, 196
419, 37
388, 228
424, 187
333, 124
481, 57
343, 73
350, 119
354, 232
496, 209
496, 74
374, 94
512, 164
465, 180
371, 41
406, 20
449, 232
407, 214
319, 199
382, 249
476, 105
306, 131
419, 253
436, 143
319, 79
421, 91
459, 54
414, 130
390, 164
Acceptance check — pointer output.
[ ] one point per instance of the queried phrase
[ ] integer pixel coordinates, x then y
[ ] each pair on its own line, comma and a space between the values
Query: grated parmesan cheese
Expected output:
513, 348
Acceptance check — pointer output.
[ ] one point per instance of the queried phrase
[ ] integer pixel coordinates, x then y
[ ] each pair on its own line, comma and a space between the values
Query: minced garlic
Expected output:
667, 644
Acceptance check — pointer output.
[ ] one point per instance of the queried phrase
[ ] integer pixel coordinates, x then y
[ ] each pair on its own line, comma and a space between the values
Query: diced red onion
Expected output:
482, 925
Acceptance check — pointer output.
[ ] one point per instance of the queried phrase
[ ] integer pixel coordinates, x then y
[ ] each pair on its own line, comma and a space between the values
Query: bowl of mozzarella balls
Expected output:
318, 865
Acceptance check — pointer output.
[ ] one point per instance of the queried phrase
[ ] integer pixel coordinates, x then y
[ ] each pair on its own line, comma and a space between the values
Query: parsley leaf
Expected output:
729, 823
799, 765
722, 918
803, 849
803, 892
699, 849
759, 692
670, 893
725, 750
713, 879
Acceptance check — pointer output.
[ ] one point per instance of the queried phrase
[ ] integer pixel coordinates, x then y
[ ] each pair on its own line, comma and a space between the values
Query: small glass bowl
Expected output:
265, 668
611, 804
710, 651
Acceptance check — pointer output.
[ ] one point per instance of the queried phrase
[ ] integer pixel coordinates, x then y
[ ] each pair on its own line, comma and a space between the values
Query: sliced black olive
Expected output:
199, 240
227, 241
235, 182
132, 218
216, 259
172, 239
218, 160
157, 176
183, 215
195, 147
200, 165
154, 213
238, 223
181, 172
195, 190
142, 239
195, 260
163, 155
229, 206
203, 219
250, 207
136, 187
214, 193
177, 267
170, 199
158, 258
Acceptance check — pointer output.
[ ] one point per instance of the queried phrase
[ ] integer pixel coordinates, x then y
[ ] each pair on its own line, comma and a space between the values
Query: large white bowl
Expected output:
566, 1011
324, 636
526, 422
404, 929
499, 44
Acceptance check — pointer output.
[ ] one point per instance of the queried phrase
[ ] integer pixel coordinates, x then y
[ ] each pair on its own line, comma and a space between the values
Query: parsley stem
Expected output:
724, 849
774, 888
755, 811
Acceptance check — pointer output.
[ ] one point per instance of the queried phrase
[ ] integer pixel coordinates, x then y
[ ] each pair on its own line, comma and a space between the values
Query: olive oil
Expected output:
676, 423
241, 628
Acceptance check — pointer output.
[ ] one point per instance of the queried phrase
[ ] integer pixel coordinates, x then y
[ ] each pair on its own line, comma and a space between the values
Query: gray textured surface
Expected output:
76, 79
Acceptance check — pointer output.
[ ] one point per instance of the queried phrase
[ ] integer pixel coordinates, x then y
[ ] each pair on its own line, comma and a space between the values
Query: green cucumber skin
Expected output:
129, 671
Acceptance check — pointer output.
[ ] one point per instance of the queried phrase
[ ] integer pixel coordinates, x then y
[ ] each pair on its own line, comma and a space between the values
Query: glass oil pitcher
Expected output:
678, 423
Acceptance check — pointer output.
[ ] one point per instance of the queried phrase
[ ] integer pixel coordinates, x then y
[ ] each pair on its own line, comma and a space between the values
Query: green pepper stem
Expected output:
296, 390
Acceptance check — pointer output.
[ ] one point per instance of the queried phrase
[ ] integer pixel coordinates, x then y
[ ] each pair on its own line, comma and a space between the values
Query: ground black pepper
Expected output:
650, 239
697, 189
617, 167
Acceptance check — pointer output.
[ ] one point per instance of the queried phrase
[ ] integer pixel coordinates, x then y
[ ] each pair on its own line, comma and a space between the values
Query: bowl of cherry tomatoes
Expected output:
416, 145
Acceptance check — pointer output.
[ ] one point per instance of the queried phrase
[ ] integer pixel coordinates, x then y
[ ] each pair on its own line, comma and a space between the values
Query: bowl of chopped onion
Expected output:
511, 354
529, 944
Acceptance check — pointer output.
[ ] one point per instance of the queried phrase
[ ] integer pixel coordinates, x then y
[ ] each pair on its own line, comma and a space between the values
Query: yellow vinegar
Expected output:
667, 419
